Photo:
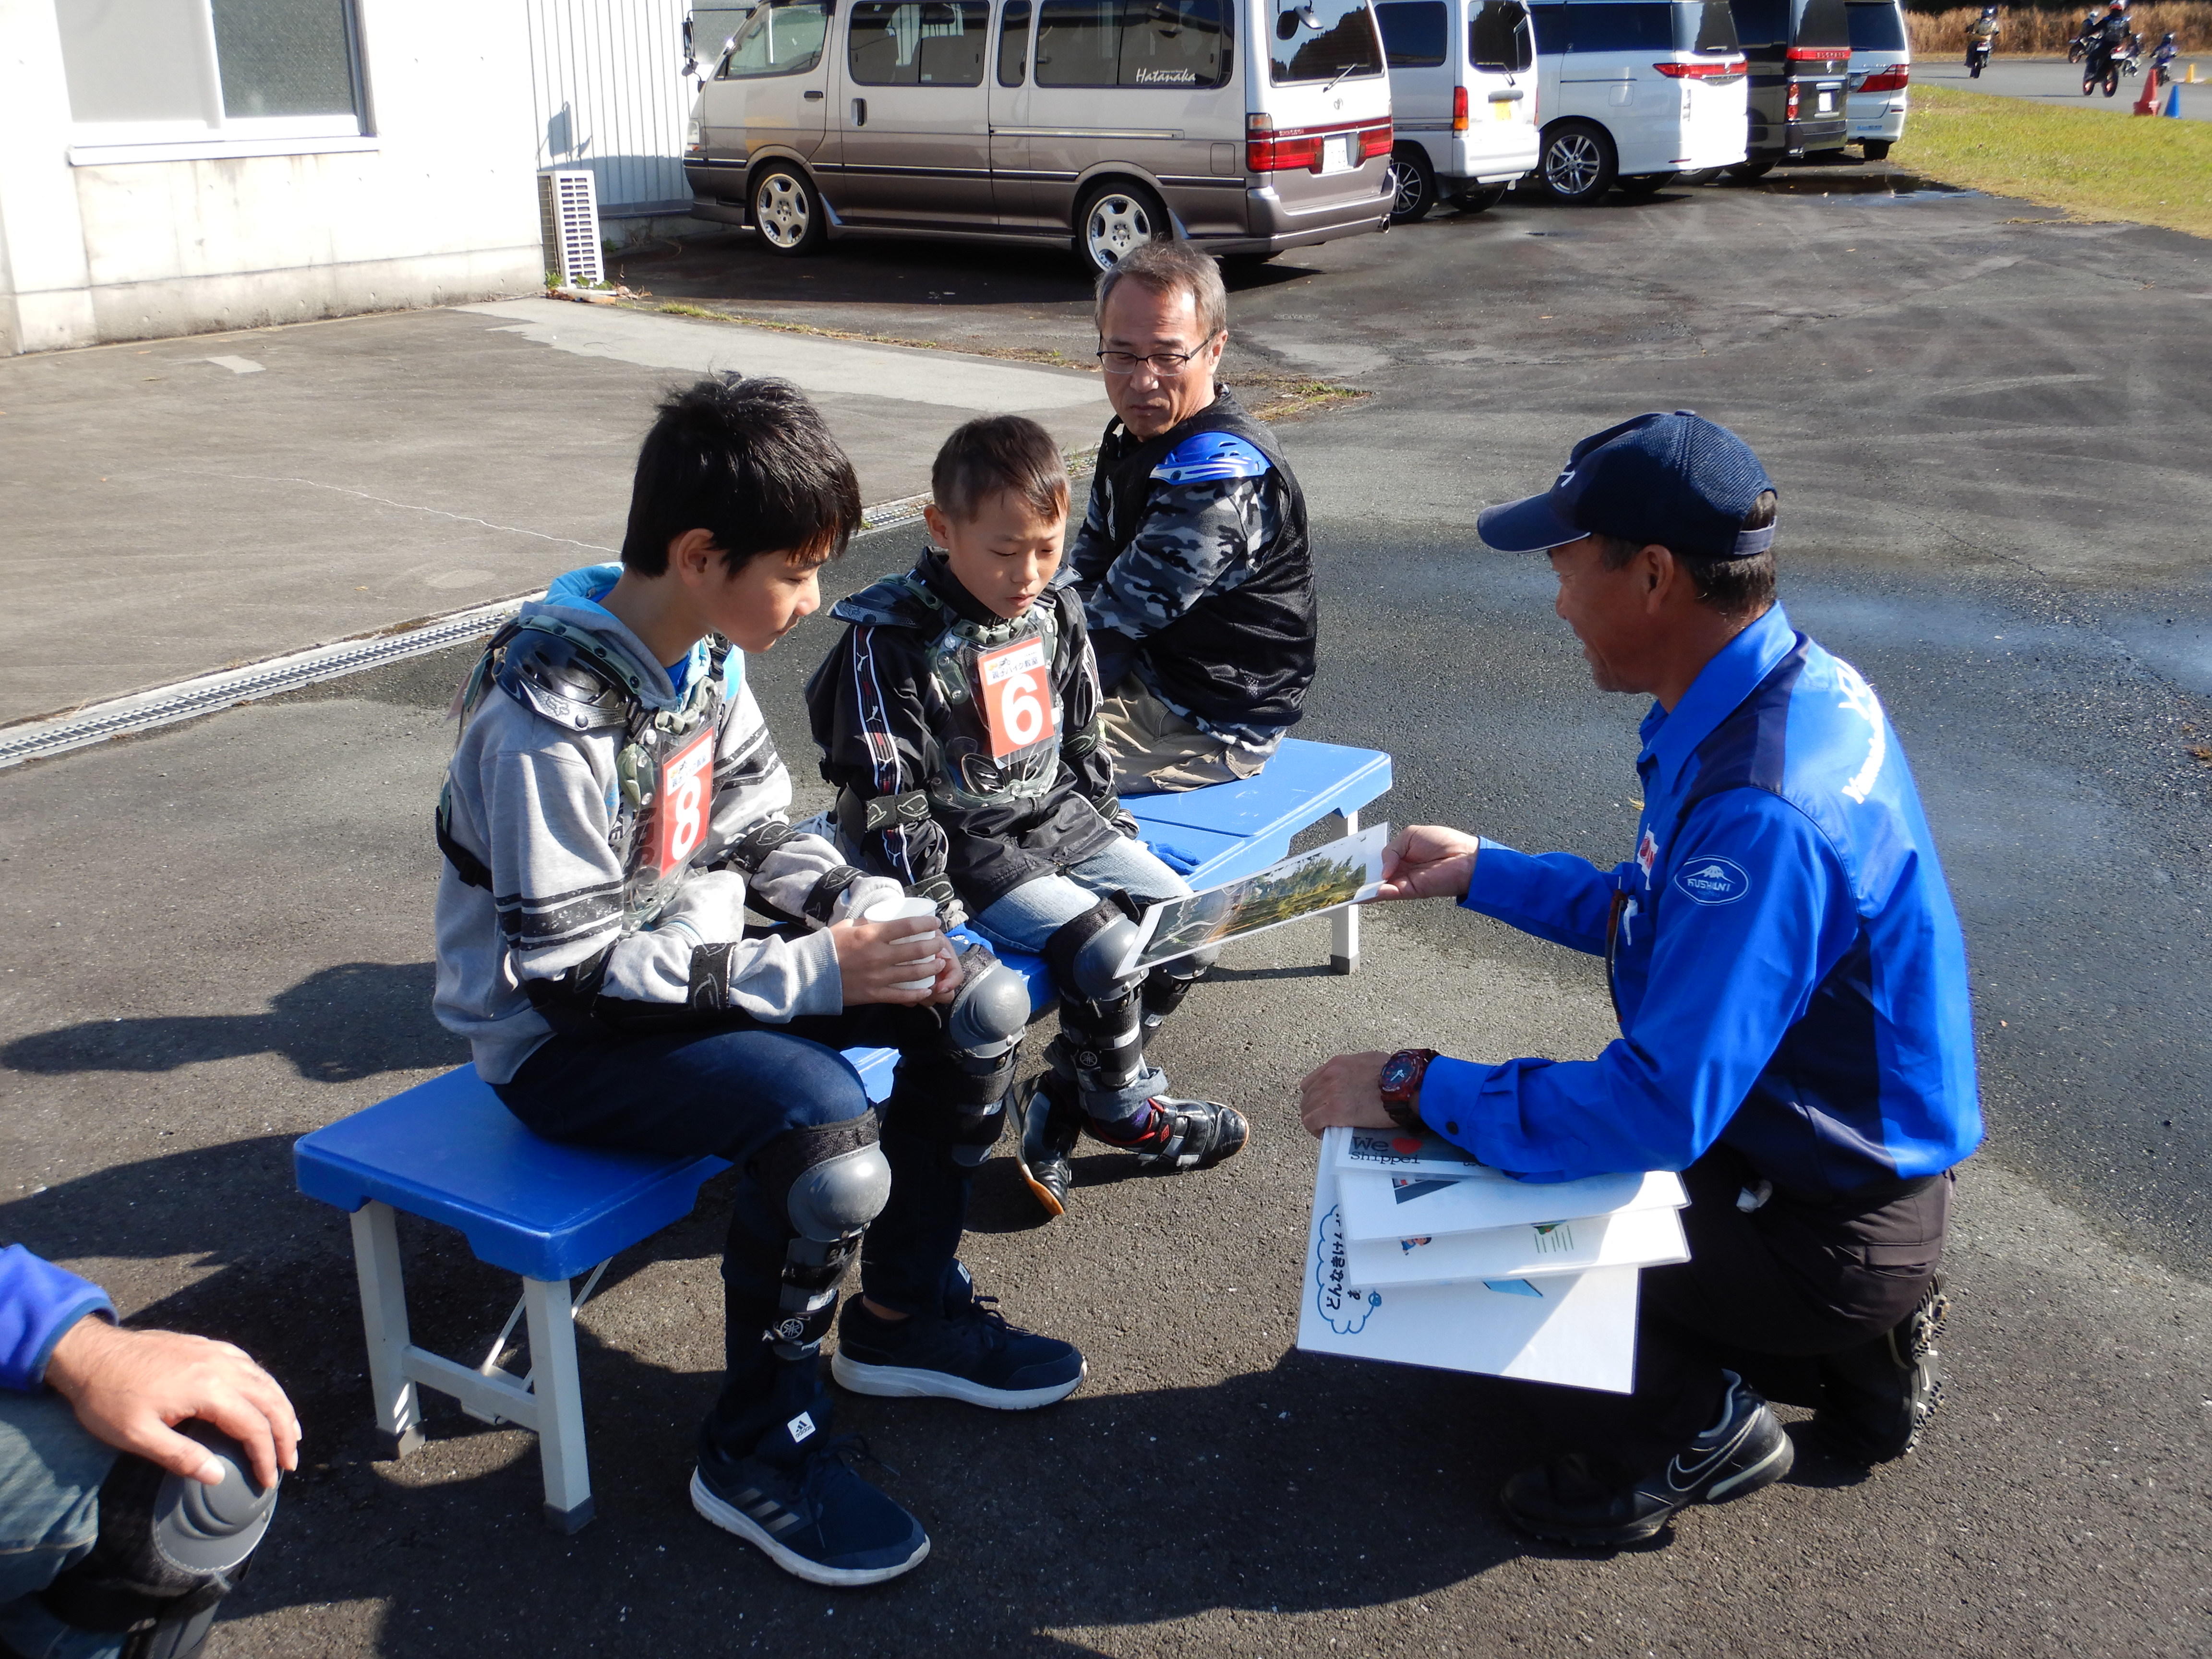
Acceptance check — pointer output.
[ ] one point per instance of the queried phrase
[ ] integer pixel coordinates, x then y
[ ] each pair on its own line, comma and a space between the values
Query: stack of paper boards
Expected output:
1420, 1255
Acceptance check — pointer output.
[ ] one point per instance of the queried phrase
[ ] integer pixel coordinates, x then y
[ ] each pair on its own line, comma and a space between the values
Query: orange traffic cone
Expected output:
2149, 103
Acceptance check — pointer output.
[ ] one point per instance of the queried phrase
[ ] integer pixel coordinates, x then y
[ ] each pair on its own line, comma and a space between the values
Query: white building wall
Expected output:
610, 96
442, 205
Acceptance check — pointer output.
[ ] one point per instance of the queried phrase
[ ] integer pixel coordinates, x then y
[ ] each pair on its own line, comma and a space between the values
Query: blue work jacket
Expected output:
1785, 963
39, 1302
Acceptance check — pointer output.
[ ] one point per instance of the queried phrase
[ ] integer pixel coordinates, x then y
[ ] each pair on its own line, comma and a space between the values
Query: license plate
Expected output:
1828, 103
1338, 152
1503, 112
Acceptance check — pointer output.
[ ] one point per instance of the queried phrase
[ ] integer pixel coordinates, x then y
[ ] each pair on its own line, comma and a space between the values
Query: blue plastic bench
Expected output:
448, 1151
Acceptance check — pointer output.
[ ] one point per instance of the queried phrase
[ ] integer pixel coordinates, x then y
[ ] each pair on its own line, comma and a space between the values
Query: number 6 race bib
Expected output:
1017, 699
680, 803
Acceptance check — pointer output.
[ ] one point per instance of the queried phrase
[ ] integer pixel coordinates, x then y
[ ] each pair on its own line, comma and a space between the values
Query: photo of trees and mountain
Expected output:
1343, 872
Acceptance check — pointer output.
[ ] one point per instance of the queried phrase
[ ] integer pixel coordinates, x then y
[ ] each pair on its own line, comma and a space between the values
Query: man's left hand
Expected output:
1344, 1092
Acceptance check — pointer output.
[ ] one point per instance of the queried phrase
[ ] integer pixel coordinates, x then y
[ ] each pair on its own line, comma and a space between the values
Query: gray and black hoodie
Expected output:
540, 808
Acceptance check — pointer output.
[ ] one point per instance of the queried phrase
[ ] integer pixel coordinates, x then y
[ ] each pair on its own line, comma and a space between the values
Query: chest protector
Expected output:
995, 731
660, 822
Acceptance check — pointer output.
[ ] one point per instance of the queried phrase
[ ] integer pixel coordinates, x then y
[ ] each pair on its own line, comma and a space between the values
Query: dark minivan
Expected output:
1800, 54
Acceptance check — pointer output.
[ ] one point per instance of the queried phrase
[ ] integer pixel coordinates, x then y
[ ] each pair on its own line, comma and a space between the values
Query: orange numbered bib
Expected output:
1015, 697
680, 803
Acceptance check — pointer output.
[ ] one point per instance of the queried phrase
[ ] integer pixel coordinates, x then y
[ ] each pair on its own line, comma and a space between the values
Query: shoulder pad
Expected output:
558, 679
890, 603
1206, 456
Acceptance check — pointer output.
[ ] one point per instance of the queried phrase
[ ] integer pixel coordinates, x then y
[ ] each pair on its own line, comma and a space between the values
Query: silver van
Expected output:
1094, 123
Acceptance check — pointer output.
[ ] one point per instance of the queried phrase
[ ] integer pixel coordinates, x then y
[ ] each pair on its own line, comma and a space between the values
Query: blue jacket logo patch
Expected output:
1711, 880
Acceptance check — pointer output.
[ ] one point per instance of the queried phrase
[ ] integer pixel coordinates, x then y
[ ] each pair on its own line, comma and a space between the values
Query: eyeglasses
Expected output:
1168, 365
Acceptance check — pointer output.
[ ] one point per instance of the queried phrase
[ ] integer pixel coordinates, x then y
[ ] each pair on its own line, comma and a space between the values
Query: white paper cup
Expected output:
904, 909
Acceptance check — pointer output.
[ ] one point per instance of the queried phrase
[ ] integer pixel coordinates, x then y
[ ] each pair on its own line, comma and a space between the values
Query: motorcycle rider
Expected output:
2161, 62
1981, 40
2113, 40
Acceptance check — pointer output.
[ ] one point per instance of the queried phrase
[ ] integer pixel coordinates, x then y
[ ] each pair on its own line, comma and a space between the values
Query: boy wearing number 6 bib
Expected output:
959, 719
614, 808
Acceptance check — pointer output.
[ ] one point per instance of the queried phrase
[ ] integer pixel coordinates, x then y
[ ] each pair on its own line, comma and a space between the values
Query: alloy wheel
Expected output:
782, 210
1571, 163
1116, 224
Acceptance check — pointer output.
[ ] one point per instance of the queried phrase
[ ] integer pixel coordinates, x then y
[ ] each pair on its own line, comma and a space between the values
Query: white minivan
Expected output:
1881, 69
1463, 98
1245, 126
1634, 92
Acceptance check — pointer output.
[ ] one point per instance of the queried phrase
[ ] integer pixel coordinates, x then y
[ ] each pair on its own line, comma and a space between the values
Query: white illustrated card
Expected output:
1346, 872
1573, 1329
1399, 1205
1629, 1238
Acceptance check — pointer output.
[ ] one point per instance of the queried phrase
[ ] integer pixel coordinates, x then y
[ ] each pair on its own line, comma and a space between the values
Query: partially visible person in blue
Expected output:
138, 1471
1791, 986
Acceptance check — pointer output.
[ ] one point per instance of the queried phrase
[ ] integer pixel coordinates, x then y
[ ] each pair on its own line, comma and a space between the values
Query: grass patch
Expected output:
2096, 163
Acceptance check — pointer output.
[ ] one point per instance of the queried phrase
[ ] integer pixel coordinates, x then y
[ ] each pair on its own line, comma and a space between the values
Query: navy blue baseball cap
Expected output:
1677, 480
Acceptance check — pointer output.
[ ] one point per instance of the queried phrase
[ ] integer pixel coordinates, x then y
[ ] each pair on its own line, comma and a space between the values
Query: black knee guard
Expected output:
1085, 955
1167, 985
168, 1550
1101, 1044
832, 1180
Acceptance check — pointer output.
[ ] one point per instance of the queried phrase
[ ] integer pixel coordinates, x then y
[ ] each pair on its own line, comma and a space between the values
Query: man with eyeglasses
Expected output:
1192, 560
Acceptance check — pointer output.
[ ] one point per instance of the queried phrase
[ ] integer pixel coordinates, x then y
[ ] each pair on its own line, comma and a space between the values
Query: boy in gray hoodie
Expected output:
614, 808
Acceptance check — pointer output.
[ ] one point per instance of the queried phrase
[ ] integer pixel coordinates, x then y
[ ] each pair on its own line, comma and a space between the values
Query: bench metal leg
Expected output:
384, 1322
1344, 924
560, 1403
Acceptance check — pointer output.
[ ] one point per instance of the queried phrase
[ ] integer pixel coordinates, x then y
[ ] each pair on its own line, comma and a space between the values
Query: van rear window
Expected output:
1500, 38
1877, 29
1322, 40
1705, 26
917, 43
1762, 22
1822, 24
1133, 43
1413, 32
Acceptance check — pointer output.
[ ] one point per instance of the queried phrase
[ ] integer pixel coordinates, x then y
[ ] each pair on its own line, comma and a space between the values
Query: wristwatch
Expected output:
1401, 1085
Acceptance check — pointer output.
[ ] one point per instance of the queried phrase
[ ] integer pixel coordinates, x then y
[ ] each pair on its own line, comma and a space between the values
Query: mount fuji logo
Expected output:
1711, 880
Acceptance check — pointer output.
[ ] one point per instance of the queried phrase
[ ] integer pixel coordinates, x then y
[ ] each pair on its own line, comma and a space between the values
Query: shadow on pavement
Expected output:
338, 1024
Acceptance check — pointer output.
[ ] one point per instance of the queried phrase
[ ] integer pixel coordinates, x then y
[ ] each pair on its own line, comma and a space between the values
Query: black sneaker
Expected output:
796, 1498
1186, 1134
1048, 1124
1571, 1501
970, 1353
1876, 1398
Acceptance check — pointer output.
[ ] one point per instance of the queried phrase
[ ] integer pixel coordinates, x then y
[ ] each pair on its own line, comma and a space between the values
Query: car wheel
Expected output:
1746, 172
1701, 176
787, 210
1412, 185
1578, 164
1646, 183
1115, 219
1877, 150
1480, 199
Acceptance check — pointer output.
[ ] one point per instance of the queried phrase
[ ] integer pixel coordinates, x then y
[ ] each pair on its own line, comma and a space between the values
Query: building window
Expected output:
216, 75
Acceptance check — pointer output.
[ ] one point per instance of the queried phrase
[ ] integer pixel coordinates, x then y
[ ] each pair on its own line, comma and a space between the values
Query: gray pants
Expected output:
50, 1474
1158, 752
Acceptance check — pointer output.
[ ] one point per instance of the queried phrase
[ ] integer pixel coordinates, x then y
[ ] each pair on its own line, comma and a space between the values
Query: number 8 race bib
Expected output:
681, 802
1017, 699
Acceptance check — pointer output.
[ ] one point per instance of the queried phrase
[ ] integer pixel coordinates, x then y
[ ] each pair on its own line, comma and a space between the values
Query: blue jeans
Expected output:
50, 1474
1035, 910
731, 1089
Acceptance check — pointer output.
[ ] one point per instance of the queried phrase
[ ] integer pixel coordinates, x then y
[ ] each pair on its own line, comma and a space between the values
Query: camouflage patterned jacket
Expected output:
1193, 567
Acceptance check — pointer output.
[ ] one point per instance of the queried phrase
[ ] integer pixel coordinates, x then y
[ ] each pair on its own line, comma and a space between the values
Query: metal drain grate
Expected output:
208, 694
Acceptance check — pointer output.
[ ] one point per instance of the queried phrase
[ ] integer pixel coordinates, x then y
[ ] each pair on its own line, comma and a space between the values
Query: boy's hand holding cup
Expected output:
896, 952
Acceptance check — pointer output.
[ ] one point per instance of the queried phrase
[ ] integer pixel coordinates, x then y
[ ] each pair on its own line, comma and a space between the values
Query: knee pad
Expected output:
992, 1009
831, 1177
168, 1550
1085, 955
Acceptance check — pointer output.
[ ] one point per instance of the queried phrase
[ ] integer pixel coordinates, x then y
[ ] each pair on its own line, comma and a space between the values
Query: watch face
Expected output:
1397, 1071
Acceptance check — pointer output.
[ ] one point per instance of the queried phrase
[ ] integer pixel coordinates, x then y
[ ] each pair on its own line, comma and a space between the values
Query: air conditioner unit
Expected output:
569, 217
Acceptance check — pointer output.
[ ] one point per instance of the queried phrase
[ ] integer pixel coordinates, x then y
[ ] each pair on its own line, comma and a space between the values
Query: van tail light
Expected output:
1459, 109
1722, 74
1893, 79
1266, 151
1790, 108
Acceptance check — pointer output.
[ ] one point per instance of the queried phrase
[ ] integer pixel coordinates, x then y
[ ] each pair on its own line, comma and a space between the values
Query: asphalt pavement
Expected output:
221, 940
2055, 81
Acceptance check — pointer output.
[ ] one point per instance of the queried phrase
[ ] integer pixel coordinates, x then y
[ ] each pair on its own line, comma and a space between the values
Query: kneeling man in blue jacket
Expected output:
1791, 987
